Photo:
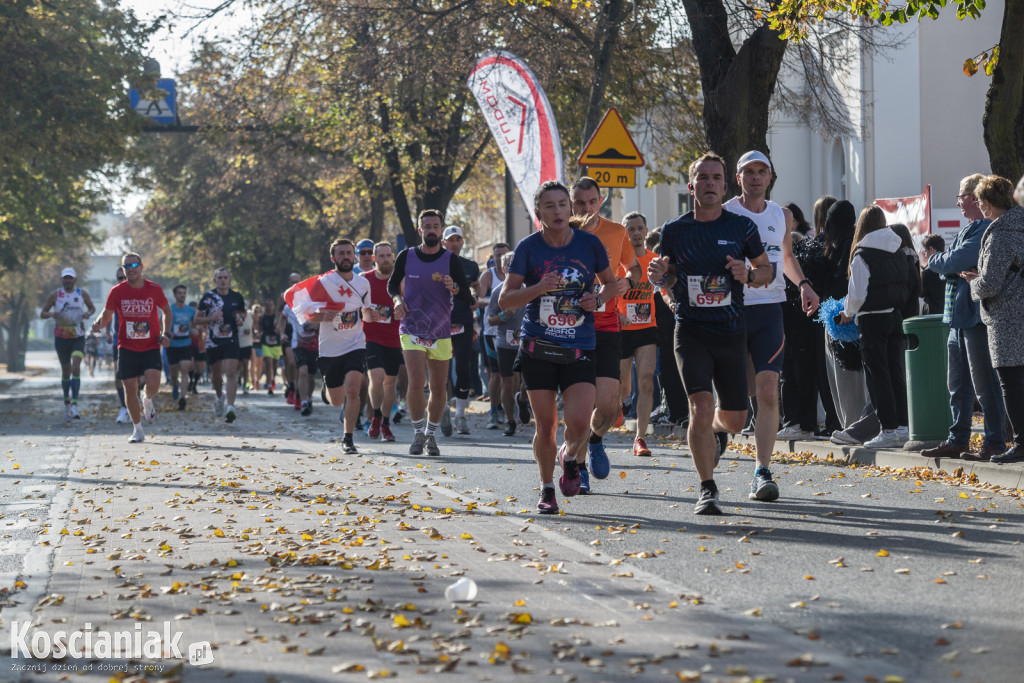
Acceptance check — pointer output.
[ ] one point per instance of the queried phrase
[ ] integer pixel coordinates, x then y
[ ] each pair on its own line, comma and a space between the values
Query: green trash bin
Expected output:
927, 391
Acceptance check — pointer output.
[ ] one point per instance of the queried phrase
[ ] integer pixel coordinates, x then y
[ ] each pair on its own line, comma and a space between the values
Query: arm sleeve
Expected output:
397, 275
459, 278
858, 290
964, 257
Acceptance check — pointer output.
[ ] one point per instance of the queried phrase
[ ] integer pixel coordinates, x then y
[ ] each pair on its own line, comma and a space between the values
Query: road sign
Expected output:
611, 145
613, 177
161, 109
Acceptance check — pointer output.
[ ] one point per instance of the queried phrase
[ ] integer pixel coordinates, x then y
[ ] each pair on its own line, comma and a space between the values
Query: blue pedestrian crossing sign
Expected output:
159, 105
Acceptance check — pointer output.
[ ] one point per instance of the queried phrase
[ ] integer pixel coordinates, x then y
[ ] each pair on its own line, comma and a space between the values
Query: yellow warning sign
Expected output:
613, 177
611, 145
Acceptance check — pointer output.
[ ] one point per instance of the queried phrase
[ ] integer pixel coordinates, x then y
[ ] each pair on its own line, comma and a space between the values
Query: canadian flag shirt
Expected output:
343, 298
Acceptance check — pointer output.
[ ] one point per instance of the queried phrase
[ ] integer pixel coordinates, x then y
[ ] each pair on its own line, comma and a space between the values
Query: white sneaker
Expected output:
75, 415
149, 411
137, 435
122, 416
841, 438
887, 438
904, 434
218, 406
67, 412
794, 433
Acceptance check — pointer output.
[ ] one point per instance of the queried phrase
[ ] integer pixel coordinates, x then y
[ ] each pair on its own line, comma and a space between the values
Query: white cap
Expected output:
453, 230
752, 157
68, 272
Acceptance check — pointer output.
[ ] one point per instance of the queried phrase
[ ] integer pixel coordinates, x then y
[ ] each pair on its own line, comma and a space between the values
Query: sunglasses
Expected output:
132, 266
366, 253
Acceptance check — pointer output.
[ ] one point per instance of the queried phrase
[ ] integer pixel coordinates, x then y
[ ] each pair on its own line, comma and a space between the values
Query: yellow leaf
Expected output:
64, 532
520, 603
673, 604
467, 537
218, 533
808, 577
523, 618
882, 553
400, 621
964, 495
307, 537
622, 475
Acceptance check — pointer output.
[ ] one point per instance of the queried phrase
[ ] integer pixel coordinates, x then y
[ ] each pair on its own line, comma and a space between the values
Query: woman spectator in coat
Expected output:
998, 284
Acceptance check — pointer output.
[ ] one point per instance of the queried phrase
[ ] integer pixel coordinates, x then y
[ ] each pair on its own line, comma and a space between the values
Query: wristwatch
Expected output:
750, 276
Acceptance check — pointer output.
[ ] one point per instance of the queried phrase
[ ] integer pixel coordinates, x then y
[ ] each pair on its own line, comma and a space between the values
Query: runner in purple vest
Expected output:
422, 286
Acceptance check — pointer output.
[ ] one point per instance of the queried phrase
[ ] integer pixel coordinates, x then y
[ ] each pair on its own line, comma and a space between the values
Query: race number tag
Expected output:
424, 343
270, 340
385, 314
346, 320
560, 312
638, 314
458, 329
512, 337
137, 329
222, 331
709, 291
181, 330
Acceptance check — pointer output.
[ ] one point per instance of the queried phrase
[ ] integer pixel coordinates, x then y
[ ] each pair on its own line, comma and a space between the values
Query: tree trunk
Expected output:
1003, 120
606, 38
738, 86
17, 333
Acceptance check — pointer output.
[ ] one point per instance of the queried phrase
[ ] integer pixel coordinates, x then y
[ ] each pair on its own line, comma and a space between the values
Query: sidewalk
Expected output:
298, 562
1009, 476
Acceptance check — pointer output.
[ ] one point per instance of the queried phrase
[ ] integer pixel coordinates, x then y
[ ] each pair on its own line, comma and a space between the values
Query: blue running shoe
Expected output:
599, 463
584, 481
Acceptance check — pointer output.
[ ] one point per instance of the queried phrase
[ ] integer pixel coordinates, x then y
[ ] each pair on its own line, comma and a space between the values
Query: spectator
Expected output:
821, 208
999, 285
912, 306
932, 285
803, 228
969, 370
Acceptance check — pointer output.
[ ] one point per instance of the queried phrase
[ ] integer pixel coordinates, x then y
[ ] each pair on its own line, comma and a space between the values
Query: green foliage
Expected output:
64, 120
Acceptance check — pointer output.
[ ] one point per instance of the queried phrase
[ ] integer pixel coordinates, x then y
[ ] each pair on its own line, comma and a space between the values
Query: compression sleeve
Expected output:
397, 275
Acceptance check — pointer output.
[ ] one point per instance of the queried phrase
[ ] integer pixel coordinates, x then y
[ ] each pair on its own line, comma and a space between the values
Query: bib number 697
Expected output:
709, 299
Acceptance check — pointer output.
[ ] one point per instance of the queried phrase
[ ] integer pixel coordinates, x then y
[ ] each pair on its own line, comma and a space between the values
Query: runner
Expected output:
383, 345
765, 335
179, 353
223, 309
271, 345
462, 334
702, 259
507, 326
284, 331
558, 265
639, 333
110, 337
422, 286
69, 306
490, 279
198, 353
364, 250
339, 301
136, 303
245, 341
306, 349
586, 202
256, 362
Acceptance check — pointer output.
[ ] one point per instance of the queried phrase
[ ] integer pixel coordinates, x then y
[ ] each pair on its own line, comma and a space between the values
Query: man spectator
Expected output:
969, 370
933, 286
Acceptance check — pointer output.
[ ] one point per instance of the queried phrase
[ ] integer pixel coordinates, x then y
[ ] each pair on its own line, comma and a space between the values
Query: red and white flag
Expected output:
913, 212
308, 297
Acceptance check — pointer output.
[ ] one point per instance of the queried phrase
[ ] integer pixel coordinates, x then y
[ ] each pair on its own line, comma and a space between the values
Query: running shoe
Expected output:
763, 487
307, 408
67, 412
548, 503
75, 415
510, 429
887, 438
584, 481
323, 395
461, 425
398, 415
432, 449
707, 503
349, 446
296, 403
569, 482
419, 439
621, 419
446, 421
174, 392
122, 416
270, 392
245, 388
723, 443
599, 463
137, 435
218, 407
374, 431
229, 417
493, 422
149, 411
524, 410
841, 437
794, 433
182, 403
385, 433
640, 448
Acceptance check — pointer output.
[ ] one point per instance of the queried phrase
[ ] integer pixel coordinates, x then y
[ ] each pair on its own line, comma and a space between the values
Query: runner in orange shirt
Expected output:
587, 201
639, 332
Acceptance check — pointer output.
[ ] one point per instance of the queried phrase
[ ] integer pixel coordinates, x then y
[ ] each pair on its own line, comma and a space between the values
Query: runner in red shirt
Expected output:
136, 302
383, 344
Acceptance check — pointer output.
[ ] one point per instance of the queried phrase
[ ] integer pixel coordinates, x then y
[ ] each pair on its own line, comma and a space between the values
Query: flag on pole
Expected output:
521, 120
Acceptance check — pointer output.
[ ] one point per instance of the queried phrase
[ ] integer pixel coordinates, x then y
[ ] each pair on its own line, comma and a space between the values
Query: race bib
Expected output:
512, 337
423, 343
222, 331
458, 329
346, 320
709, 291
270, 339
181, 330
638, 314
137, 329
560, 312
385, 314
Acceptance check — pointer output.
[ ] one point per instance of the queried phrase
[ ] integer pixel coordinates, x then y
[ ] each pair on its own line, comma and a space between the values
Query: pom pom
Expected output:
828, 309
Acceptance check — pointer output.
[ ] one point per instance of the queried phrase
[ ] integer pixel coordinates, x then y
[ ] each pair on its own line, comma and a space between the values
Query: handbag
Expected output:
540, 349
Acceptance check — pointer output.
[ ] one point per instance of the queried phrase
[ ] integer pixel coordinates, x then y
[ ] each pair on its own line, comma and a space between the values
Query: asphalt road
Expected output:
885, 568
